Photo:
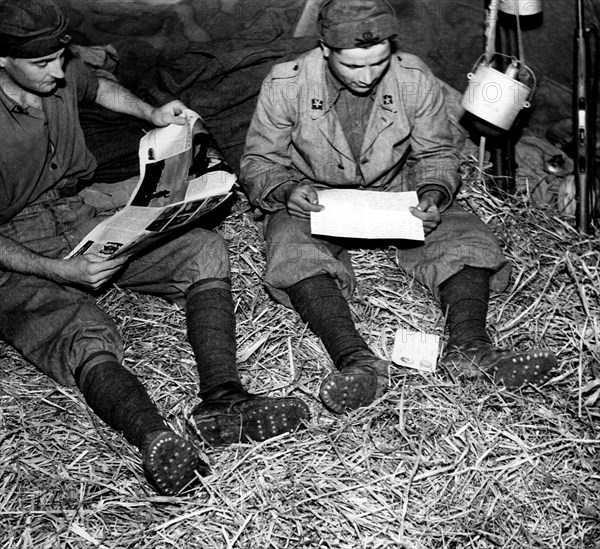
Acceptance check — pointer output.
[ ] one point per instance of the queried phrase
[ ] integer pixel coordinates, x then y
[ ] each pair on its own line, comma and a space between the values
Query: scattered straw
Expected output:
433, 464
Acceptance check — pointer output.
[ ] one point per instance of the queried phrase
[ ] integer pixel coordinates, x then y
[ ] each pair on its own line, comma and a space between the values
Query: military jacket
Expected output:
295, 134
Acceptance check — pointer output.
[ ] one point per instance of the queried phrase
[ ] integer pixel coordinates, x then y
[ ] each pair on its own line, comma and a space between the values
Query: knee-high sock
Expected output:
464, 298
211, 333
320, 304
119, 399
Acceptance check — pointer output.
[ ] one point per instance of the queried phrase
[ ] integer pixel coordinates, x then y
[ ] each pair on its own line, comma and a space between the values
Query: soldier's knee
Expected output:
208, 256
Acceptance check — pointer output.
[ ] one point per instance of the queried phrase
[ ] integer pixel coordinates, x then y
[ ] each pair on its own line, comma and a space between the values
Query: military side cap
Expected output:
356, 23
31, 28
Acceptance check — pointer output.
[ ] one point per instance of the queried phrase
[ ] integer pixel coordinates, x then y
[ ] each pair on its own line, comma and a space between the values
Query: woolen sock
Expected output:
229, 390
320, 304
464, 298
211, 333
118, 398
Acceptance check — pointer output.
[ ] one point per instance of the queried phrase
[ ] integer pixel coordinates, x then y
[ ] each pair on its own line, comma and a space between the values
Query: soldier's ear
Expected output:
3, 61
324, 49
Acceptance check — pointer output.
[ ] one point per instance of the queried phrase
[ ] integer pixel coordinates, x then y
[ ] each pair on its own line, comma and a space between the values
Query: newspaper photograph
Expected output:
183, 176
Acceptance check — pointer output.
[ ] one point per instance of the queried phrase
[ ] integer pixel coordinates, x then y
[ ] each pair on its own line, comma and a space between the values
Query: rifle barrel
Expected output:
580, 123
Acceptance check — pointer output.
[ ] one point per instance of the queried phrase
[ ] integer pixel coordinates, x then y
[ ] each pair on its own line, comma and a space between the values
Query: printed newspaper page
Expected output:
182, 177
353, 213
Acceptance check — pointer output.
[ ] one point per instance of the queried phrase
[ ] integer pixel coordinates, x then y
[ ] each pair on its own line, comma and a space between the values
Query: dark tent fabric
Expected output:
220, 81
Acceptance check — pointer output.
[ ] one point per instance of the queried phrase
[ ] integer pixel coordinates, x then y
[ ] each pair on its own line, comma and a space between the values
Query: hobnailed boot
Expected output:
228, 415
362, 377
171, 462
513, 369
358, 384
118, 398
470, 352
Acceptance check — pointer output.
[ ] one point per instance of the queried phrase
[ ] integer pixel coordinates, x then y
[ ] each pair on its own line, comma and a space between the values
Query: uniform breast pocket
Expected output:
400, 140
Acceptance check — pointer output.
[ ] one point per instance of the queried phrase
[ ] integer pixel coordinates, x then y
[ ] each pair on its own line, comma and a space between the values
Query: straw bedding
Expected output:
436, 463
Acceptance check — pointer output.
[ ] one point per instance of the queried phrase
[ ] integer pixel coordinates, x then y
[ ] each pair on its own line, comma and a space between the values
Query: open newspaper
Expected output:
182, 177
354, 213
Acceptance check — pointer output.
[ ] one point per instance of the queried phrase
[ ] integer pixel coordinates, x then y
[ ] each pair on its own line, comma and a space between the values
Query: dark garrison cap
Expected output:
355, 23
31, 28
